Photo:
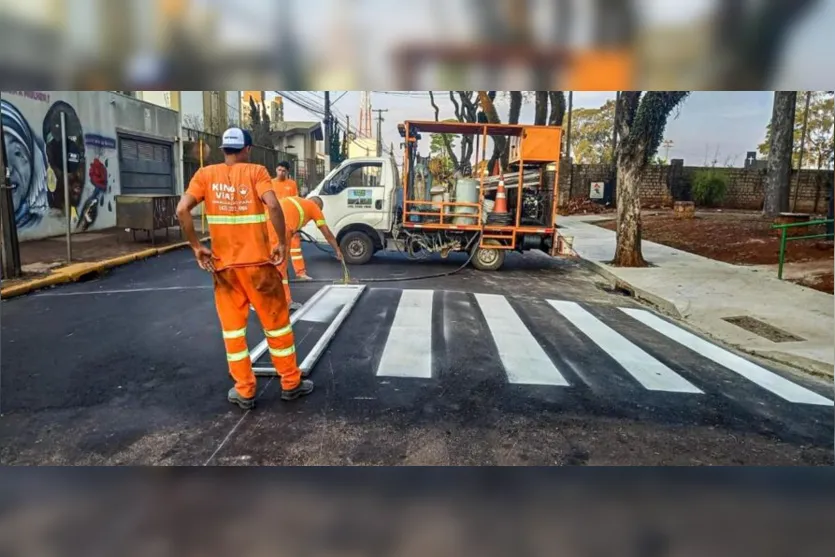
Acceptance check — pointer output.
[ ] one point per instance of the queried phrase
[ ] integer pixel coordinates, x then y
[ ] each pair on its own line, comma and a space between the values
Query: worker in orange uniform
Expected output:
297, 213
239, 200
284, 186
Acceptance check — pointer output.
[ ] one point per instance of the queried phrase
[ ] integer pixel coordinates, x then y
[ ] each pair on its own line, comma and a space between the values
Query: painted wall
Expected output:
32, 133
159, 98
362, 147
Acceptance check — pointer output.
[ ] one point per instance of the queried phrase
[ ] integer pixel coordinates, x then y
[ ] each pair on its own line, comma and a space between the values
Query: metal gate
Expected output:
145, 166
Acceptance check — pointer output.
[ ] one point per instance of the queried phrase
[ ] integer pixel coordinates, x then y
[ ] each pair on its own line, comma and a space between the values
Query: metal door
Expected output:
145, 166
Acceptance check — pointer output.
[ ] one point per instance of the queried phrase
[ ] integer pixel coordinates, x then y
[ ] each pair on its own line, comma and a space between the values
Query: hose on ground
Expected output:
381, 279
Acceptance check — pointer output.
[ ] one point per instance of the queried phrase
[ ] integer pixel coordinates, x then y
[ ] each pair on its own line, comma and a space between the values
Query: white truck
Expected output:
359, 198
366, 209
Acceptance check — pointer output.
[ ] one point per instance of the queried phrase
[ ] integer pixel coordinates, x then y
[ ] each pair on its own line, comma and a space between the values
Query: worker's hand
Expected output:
279, 254
339, 255
205, 258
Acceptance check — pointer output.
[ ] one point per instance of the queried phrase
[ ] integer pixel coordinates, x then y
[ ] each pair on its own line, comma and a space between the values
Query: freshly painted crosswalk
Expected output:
428, 335
523, 358
648, 371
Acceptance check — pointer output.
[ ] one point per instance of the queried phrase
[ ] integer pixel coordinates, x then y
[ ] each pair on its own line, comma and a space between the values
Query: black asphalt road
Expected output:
130, 369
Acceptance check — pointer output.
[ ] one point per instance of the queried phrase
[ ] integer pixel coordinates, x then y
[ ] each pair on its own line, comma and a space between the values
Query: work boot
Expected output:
304, 388
235, 398
295, 306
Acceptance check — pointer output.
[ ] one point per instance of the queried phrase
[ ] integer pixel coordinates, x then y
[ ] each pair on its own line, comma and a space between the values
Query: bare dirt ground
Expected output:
740, 238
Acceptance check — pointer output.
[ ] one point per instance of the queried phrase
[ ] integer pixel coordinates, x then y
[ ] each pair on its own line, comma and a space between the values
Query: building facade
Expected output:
207, 111
115, 145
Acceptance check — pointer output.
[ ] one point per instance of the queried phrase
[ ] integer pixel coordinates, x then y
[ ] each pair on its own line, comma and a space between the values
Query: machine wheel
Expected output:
486, 259
357, 248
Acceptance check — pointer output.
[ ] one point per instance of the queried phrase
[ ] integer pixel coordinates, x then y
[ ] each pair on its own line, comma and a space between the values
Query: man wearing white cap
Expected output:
239, 200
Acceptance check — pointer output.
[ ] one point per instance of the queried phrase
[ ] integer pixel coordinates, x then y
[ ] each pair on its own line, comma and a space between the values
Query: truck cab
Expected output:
358, 203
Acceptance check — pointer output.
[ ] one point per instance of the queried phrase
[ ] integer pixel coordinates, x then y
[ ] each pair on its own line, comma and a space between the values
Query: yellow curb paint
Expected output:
72, 273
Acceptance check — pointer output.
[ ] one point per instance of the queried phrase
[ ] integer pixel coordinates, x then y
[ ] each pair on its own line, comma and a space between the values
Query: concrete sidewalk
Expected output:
704, 292
44, 261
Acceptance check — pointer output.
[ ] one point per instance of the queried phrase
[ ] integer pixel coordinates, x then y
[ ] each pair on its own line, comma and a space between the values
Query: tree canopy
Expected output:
591, 134
818, 151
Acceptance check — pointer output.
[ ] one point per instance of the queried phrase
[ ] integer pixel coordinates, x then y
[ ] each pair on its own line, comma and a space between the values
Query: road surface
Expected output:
537, 364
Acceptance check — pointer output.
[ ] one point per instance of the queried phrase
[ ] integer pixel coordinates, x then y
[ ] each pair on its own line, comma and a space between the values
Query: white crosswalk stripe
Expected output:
523, 358
651, 373
572, 347
408, 349
766, 379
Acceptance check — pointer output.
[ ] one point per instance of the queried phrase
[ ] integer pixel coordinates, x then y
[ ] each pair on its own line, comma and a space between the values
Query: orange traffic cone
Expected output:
501, 199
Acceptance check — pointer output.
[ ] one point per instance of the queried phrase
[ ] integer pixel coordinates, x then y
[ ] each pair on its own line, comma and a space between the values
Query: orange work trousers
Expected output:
259, 285
296, 255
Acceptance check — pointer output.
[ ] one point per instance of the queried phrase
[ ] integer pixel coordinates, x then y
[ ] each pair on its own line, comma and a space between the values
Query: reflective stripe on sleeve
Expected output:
236, 219
280, 353
285, 281
301, 212
237, 356
279, 332
296, 257
296, 250
321, 222
235, 334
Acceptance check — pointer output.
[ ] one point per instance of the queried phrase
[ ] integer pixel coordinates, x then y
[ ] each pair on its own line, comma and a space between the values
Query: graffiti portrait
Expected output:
76, 155
27, 163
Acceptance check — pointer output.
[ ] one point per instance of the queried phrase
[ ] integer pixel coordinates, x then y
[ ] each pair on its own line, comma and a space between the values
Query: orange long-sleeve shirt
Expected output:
297, 213
237, 217
285, 188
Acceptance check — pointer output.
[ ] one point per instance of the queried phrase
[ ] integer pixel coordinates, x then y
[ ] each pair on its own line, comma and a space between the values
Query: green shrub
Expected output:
709, 187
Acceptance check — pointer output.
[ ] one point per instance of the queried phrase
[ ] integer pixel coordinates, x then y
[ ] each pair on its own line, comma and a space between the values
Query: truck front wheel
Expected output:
357, 248
486, 259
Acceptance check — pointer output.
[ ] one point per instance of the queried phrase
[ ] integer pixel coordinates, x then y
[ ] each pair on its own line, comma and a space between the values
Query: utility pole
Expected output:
328, 131
379, 112
347, 136
10, 253
667, 144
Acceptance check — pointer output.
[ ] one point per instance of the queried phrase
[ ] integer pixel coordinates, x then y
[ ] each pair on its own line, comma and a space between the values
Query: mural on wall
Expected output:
76, 160
37, 171
27, 167
102, 149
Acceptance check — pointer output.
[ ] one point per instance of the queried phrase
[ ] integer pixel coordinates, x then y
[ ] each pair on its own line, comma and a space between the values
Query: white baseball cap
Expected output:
236, 138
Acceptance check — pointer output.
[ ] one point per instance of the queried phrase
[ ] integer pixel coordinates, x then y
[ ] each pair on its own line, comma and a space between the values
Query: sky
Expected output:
710, 125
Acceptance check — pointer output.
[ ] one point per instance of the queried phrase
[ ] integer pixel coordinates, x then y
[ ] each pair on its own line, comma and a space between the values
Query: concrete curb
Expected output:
74, 272
601, 269
807, 365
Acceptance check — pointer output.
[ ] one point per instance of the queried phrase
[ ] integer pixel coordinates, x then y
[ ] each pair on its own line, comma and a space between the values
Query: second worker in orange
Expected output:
297, 213
284, 186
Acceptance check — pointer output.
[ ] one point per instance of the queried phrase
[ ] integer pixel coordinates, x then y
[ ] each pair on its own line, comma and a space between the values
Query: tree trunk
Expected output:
777, 183
499, 142
640, 122
628, 250
541, 112
444, 137
512, 118
557, 99
515, 107
750, 38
